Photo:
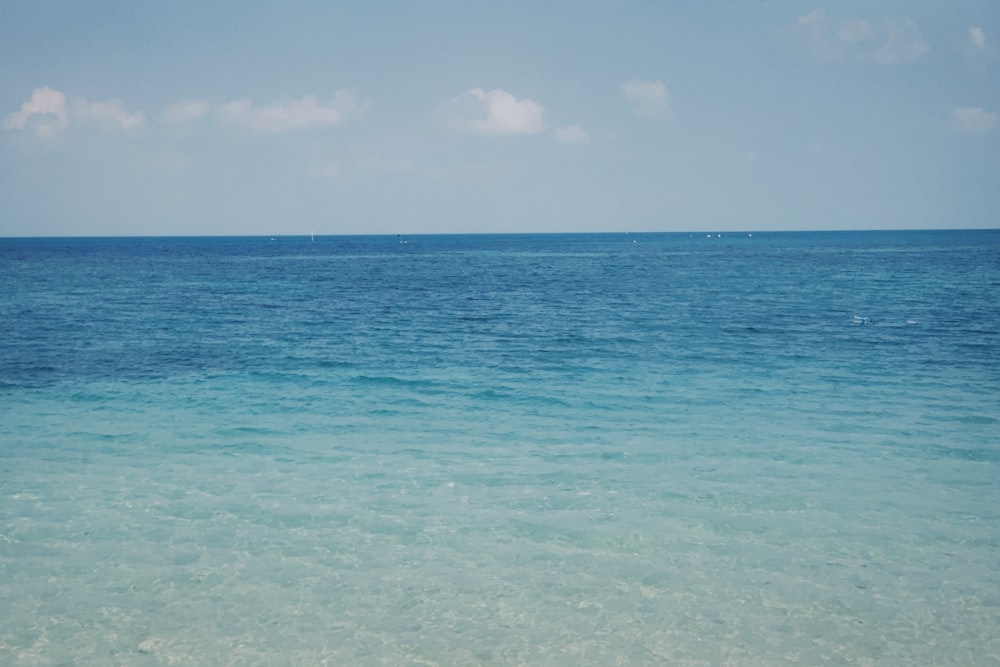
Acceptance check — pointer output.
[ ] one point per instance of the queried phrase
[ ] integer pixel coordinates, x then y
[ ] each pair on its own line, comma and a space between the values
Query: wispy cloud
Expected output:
295, 114
815, 27
649, 99
978, 36
572, 134
977, 47
46, 113
186, 111
856, 30
974, 119
903, 44
111, 114
892, 42
496, 112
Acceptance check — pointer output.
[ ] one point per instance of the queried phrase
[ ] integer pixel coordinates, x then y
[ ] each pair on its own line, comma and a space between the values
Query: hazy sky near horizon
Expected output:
189, 117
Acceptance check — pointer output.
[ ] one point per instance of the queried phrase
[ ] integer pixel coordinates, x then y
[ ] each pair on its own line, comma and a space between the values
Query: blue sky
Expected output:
137, 118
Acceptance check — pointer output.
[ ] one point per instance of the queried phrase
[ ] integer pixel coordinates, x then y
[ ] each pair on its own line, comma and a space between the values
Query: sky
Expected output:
138, 117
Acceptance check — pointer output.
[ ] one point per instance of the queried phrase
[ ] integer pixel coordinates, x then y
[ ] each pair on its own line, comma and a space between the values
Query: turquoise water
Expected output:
501, 450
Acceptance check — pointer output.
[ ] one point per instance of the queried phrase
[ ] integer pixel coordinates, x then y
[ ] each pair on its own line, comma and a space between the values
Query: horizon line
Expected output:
309, 234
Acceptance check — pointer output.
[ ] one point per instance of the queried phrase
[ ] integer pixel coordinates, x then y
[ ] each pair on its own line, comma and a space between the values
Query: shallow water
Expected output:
501, 450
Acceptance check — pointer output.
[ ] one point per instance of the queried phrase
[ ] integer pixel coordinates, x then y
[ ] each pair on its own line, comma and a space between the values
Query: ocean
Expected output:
570, 449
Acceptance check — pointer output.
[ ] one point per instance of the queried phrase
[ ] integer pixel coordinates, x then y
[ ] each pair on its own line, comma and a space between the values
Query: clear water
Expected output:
501, 450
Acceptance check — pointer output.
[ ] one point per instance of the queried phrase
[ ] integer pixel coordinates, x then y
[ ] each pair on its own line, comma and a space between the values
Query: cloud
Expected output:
649, 99
496, 112
855, 30
894, 42
296, 114
45, 112
814, 26
572, 134
111, 114
974, 119
903, 44
978, 36
48, 114
977, 48
186, 111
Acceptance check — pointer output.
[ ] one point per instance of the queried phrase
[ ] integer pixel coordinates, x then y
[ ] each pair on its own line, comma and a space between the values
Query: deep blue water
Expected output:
778, 448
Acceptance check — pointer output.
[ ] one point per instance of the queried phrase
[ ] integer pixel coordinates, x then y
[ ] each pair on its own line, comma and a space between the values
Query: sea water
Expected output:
620, 449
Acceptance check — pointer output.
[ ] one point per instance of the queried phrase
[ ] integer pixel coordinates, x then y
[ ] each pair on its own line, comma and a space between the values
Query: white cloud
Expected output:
45, 112
185, 111
814, 26
856, 30
572, 134
895, 42
298, 114
903, 44
649, 99
974, 119
978, 36
237, 109
48, 114
496, 112
110, 113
